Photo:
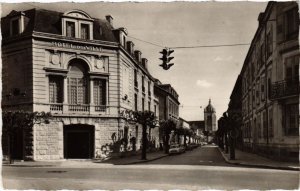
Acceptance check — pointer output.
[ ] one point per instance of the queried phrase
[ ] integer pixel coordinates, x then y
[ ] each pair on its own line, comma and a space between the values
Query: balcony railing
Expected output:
77, 108
283, 89
101, 108
56, 107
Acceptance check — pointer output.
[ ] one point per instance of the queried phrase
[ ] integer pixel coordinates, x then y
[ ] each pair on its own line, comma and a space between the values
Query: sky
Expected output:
198, 73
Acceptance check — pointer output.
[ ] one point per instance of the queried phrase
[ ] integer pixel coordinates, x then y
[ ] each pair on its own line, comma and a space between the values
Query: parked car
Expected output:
176, 149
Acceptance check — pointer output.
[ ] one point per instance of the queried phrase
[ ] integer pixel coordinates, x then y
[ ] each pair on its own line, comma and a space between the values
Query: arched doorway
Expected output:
79, 141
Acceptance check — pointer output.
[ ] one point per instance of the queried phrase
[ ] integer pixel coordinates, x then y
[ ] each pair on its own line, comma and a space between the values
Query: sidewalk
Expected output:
88, 163
253, 160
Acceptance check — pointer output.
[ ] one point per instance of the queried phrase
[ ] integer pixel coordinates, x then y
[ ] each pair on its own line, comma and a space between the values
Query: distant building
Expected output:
168, 101
198, 127
210, 118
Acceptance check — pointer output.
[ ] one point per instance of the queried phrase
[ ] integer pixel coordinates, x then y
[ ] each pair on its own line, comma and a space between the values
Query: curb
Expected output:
145, 161
258, 165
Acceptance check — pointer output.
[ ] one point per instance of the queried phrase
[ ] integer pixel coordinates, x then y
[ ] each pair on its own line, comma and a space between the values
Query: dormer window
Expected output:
77, 24
17, 25
84, 31
70, 29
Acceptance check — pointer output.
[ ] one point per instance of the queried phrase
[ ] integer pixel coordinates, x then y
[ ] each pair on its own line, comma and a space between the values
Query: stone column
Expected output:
65, 101
92, 106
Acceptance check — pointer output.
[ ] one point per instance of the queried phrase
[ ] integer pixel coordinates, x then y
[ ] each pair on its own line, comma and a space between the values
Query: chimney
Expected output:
138, 55
145, 63
130, 47
109, 19
260, 18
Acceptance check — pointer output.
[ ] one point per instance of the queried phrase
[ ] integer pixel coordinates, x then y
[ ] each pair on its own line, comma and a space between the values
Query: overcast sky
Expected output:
199, 73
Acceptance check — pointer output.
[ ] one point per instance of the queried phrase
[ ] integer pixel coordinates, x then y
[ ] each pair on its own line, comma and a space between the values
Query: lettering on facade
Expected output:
74, 46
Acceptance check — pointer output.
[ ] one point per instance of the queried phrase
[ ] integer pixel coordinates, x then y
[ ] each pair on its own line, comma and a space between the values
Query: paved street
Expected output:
207, 155
202, 168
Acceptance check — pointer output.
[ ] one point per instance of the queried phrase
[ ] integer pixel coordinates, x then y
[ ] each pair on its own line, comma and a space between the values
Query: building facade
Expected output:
210, 118
270, 84
168, 101
82, 70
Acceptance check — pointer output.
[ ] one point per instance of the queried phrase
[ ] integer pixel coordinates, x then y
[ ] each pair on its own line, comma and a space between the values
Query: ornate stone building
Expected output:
270, 84
80, 68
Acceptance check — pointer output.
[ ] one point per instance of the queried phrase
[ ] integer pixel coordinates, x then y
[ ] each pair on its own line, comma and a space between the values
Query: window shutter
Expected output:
280, 28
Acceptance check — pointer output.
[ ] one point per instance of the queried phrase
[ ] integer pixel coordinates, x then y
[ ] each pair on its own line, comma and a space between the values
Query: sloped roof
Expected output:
46, 21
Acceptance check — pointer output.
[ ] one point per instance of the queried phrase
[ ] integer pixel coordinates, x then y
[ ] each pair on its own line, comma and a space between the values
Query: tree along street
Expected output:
202, 168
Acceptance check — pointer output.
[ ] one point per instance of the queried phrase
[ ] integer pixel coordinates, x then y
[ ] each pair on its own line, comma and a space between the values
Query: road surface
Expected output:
202, 168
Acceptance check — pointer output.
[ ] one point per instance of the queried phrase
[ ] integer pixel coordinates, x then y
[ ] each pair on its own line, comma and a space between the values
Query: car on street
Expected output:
176, 149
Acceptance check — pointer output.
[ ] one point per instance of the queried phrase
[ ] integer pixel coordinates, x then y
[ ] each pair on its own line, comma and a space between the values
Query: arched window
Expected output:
78, 82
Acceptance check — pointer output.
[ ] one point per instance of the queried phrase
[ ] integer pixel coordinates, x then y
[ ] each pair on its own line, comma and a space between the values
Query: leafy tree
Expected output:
166, 126
146, 119
21, 120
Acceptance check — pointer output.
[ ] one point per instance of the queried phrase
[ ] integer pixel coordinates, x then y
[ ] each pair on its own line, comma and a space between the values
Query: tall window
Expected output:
15, 27
99, 92
84, 31
149, 89
269, 43
55, 89
77, 83
262, 85
262, 54
292, 25
265, 125
259, 126
149, 106
78, 93
143, 104
135, 78
70, 27
292, 68
291, 119
155, 110
271, 131
135, 102
143, 83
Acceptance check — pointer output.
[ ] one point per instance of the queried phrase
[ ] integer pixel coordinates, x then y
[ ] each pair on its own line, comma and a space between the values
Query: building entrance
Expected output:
79, 141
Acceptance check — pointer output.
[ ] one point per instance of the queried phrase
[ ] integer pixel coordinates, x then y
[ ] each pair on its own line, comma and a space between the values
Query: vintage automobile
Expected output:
176, 149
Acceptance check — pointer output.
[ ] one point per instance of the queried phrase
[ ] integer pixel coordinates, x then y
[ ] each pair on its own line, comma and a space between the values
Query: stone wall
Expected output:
48, 141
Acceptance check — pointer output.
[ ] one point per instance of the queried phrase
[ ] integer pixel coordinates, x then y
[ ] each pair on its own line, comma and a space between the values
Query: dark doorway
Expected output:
17, 145
79, 141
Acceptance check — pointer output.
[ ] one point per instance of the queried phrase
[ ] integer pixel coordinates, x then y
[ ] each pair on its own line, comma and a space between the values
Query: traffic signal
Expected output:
166, 58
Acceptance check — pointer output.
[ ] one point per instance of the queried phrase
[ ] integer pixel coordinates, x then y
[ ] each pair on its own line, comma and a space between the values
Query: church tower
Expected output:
210, 118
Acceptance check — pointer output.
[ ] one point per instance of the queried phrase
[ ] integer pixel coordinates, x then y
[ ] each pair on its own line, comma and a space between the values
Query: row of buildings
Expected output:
86, 73
266, 92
